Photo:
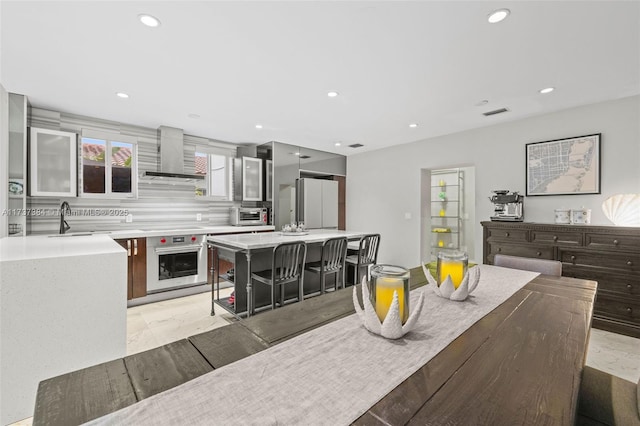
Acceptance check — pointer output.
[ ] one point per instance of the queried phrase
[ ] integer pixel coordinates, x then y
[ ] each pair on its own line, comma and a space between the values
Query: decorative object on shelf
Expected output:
441, 182
16, 187
440, 243
441, 230
580, 173
623, 209
447, 288
562, 216
443, 196
382, 298
581, 216
442, 213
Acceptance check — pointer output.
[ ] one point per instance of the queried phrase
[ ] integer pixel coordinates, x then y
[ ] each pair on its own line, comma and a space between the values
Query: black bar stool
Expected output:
287, 266
332, 261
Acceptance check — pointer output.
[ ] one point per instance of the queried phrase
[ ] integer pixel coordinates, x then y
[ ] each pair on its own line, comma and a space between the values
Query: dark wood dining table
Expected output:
520, 364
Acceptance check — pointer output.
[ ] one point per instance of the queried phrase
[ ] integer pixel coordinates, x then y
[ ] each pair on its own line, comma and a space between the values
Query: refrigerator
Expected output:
317, 203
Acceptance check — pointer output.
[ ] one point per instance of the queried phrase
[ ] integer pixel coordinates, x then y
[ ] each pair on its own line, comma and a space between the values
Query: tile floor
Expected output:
155, 324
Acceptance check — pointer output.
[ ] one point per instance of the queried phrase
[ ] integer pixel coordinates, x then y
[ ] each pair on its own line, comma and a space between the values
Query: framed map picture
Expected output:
564, 166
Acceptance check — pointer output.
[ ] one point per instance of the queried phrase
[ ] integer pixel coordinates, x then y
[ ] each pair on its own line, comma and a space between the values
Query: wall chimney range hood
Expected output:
170, 156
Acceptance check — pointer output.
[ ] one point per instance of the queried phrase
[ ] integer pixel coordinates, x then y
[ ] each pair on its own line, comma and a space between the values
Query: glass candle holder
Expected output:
385, 279
453, 264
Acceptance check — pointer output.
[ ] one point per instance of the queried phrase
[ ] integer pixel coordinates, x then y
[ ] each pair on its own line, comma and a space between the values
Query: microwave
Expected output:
241, 216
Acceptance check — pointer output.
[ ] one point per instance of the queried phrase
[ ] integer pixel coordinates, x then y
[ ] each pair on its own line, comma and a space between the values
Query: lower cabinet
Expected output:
609, 255
136, 266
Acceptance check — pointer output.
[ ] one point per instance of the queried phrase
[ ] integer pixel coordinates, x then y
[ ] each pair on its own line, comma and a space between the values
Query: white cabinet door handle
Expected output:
128, 247
135, 247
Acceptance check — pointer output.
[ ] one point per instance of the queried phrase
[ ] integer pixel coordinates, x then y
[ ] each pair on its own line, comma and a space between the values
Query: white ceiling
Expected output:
237, 64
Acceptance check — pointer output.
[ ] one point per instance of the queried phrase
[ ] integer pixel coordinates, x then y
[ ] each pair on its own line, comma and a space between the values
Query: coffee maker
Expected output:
507, 207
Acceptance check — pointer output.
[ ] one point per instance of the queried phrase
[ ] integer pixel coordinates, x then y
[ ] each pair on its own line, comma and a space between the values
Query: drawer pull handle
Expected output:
629, 286
629, 263
506, 234
538, 253
573, 259
615, 242
555, 238
629, 310
499, 249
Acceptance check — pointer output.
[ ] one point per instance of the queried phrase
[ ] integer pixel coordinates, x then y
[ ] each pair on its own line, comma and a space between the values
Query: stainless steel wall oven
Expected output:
176, 261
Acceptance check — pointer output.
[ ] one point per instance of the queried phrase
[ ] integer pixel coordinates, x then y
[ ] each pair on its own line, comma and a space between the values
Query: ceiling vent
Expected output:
494, 112
304, 157
355, 145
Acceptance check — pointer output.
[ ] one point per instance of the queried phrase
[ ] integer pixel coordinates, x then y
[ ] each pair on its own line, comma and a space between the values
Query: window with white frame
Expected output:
108, 165
217, 165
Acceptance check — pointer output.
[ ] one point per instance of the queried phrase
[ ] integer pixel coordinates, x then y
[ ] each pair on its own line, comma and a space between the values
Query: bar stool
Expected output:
367, 255
332, 261
287, 266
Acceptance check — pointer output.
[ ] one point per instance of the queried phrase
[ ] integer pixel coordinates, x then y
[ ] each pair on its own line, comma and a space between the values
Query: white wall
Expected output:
383, 185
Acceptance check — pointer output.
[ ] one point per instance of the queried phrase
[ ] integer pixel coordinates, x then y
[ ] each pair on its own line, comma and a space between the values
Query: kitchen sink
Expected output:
79, 234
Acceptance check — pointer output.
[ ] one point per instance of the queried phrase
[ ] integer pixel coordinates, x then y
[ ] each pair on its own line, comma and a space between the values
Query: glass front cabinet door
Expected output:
53, 163
251, 179
269, 185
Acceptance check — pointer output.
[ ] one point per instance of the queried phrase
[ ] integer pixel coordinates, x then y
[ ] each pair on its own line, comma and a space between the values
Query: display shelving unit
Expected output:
446, 210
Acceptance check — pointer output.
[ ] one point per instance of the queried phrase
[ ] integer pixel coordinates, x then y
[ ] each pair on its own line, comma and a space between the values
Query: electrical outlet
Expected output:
198, 217
129, 218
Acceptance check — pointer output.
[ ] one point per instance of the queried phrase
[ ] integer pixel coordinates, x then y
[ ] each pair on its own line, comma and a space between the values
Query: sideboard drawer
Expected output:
560, 238
519, 250
625, 262
514, 235
621, 284
613, 242
618, 308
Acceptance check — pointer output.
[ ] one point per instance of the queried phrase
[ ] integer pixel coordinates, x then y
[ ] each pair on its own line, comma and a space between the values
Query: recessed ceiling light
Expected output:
296, 153
148, 20
332, 94
498, 15
482, 102
258, 126
547, 90
122, 95
413, 125
194, 116
338, 144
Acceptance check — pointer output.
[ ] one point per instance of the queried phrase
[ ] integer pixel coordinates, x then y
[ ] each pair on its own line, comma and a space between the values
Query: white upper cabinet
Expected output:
251, 179
53, 163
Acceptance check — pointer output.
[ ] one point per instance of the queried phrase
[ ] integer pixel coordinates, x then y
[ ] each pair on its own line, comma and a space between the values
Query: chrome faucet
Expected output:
64, 208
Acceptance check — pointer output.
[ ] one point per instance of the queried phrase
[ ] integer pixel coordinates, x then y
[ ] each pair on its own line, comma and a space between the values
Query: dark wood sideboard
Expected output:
609, 255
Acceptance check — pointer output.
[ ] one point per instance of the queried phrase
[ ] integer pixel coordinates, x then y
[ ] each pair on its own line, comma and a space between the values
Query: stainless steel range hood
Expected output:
170, 156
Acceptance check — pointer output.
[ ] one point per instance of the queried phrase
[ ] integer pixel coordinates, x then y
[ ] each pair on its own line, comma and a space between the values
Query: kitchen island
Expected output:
62, 307
252, 252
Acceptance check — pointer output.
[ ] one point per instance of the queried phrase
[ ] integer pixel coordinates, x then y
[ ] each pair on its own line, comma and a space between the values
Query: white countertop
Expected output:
98, 242
43, 246
164, 231
271, 239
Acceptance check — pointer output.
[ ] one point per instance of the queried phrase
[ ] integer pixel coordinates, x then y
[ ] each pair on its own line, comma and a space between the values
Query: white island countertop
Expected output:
64, 307
271, 239
43, 247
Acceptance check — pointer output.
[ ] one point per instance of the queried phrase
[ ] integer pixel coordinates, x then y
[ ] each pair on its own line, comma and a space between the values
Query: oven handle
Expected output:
179, 249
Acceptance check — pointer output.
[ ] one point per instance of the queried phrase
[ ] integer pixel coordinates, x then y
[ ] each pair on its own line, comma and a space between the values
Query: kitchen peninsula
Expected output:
252, 252
61, 309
